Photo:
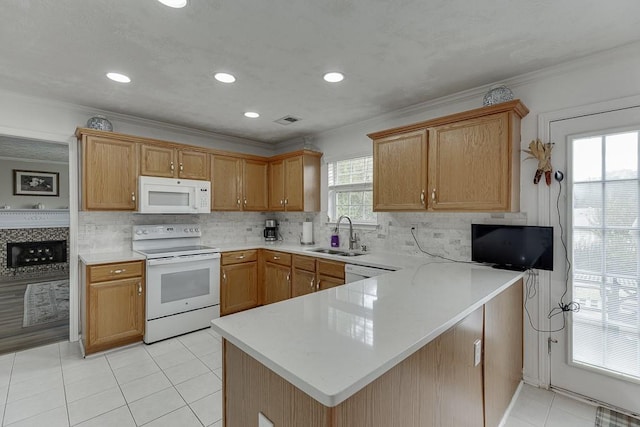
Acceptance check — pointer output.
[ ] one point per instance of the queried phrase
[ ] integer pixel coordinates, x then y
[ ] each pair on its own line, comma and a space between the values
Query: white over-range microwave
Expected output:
173, 195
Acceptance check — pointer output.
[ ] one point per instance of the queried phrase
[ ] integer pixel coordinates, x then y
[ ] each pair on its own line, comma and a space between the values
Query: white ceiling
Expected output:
394, 53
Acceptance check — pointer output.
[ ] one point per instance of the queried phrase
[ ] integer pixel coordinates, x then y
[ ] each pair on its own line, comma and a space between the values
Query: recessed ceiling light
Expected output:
224, 77
334, 77
120, 78
177, 4
251, 114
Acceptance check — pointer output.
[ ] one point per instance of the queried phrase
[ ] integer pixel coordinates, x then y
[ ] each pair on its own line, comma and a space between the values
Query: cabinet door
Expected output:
469, 165
193, 164
238, 287
277, 282
326, 282
225, 183
157, 161
109, 174
255, 186
400, 172
304, 282
293, 184
115, 313
276, 186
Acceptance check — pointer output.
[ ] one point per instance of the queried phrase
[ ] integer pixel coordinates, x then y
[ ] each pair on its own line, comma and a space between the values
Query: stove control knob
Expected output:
197, 230
145, 232
186, 230
192, 230
31, 251
138, 232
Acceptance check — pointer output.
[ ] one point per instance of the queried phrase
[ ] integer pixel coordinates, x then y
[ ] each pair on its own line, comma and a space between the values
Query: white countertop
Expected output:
332, 343
108, 257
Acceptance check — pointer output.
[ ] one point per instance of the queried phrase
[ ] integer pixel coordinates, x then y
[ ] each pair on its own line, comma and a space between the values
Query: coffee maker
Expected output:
270, 230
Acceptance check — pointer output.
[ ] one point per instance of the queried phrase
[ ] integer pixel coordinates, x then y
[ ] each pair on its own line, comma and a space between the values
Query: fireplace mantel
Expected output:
33, 218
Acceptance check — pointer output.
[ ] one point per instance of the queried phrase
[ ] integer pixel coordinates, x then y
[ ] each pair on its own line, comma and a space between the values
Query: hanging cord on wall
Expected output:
437, 256
532, 277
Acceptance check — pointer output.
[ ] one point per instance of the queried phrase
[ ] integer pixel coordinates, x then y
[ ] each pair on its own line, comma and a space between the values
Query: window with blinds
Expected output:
351, 190
605, 253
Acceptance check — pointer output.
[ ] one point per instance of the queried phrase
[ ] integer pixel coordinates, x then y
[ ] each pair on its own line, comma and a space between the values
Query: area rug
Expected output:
46, 302
608, 418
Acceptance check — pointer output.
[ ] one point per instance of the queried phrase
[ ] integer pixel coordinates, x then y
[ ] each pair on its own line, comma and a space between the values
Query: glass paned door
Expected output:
598, 352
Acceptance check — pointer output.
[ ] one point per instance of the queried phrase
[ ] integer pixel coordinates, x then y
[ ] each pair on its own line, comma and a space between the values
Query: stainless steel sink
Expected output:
336, 252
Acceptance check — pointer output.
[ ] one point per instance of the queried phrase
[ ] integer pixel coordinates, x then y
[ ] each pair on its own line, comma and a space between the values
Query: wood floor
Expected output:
14, 337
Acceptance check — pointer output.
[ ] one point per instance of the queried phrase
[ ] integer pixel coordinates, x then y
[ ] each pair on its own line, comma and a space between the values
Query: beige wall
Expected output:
27, 202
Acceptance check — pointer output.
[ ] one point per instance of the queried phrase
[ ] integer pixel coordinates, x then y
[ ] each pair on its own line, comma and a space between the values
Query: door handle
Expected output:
139, 288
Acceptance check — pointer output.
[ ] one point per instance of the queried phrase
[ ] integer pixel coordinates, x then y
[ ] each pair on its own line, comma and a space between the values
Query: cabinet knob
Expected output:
312, 283
281, 202
245, 202
422, 197
139, 288
238, 201
172, 166
181, 167
288, 276
286, 201
133, 196
433, 194
118, 271
276, 257
240, 256
224, 276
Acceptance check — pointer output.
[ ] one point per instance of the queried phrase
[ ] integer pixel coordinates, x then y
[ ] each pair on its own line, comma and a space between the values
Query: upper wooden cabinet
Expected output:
109, 173
112, 162
239, 184
171, 162
400, 172
465, 162
294, 182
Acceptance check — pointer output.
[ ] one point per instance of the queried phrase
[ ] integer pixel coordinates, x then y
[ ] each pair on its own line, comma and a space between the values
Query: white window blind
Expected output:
606, 256
351, 190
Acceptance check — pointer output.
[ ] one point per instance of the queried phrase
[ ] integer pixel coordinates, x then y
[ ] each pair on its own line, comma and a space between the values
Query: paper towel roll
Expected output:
307, 232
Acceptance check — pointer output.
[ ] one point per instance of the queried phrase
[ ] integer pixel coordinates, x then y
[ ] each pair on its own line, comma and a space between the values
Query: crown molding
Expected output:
125, 118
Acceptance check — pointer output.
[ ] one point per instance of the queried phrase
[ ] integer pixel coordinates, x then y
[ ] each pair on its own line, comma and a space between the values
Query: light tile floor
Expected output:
537, 407
176, 382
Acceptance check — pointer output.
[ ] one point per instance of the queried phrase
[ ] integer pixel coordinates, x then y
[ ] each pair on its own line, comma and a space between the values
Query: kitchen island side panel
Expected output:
426, 389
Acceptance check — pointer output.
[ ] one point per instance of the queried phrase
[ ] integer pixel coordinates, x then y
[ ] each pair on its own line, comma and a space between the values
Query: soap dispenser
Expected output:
335, 238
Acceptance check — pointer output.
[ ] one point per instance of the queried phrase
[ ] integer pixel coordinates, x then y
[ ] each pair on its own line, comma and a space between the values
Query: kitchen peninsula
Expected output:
438, 344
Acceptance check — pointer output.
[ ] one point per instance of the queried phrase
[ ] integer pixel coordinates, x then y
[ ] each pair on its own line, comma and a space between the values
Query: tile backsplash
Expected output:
445, 234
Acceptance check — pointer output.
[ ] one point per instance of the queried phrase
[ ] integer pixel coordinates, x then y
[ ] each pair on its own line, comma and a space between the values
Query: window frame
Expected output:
334, 190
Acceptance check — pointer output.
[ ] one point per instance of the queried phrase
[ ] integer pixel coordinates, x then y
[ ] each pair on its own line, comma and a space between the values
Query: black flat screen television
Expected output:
513, 247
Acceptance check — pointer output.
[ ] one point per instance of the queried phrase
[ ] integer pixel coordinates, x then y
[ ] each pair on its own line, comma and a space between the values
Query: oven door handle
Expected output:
184, 258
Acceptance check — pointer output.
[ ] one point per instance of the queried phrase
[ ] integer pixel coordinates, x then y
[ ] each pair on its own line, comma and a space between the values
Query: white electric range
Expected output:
182, 279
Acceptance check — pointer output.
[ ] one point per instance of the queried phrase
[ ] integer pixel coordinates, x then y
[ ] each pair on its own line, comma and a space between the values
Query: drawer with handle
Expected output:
237, 257
281, 258
121, 270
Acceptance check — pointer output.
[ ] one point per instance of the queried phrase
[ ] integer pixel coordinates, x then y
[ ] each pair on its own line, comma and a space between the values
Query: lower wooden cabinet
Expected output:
304, 275
238, 287
114, 305
277, 282
330, 274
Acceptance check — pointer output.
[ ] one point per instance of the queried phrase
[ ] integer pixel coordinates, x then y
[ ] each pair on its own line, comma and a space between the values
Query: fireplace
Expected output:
23, 254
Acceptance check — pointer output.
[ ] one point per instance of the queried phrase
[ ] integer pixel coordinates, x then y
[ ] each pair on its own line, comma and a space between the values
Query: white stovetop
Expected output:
332, 343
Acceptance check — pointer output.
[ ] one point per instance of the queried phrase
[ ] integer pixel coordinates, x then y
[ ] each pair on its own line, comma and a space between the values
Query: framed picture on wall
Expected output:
35, 183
